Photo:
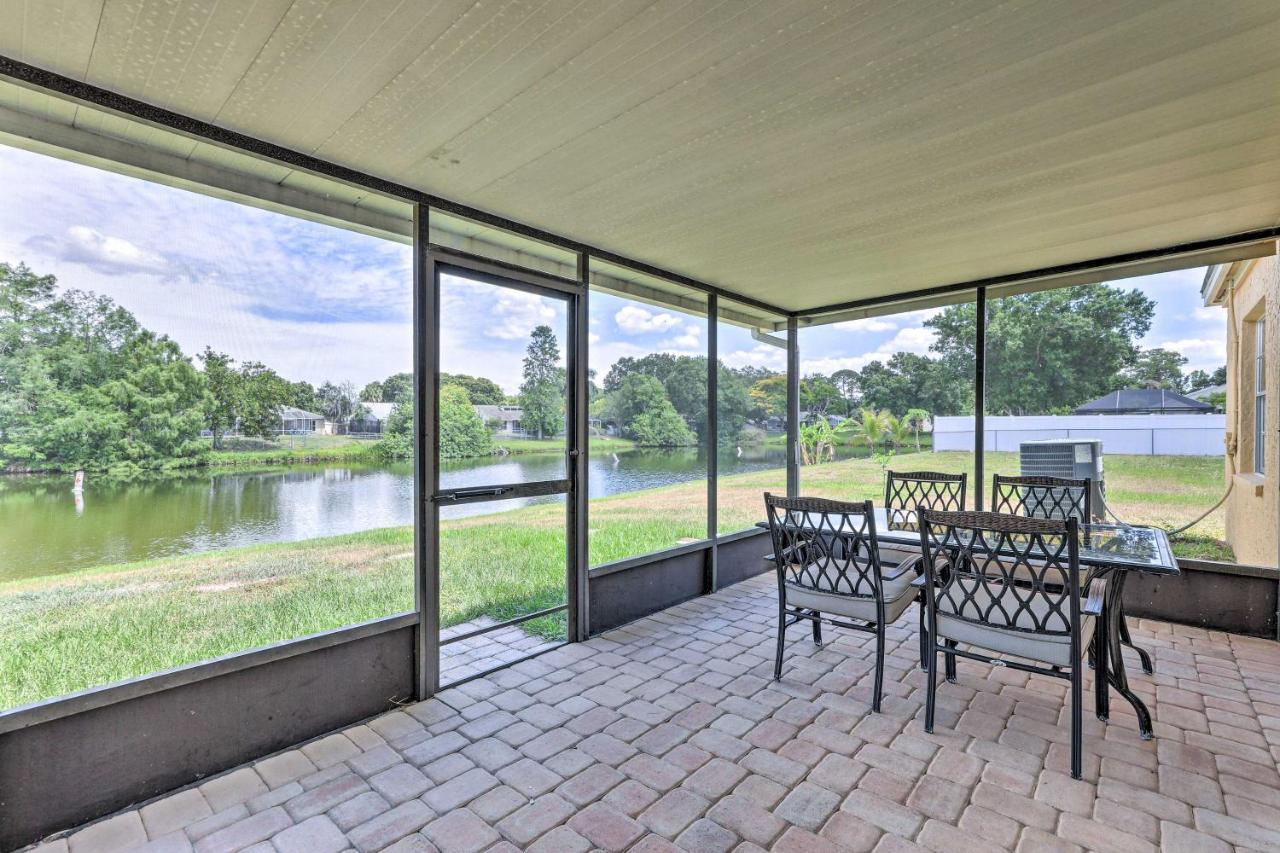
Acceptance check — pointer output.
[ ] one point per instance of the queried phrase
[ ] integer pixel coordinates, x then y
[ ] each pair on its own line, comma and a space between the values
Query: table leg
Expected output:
1115, 673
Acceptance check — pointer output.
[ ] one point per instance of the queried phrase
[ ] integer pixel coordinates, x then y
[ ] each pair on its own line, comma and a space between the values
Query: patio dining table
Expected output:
1109, 551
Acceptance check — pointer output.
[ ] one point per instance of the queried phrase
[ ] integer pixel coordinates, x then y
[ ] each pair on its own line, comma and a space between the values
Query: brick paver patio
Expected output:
670, 732
474, 655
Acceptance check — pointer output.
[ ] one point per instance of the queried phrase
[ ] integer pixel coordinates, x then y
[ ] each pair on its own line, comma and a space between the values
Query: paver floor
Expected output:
464, 658
669, 733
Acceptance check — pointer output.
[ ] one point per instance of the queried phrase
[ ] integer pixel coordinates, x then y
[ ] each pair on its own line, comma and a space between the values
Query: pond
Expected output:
45, 529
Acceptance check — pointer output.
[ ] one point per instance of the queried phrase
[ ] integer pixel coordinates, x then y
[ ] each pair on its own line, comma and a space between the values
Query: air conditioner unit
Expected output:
1072, 458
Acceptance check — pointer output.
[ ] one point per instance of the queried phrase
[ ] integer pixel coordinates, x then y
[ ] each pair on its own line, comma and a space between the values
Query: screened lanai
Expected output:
563, 291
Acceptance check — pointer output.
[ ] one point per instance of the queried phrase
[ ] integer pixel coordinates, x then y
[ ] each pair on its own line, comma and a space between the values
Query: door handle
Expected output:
472, 493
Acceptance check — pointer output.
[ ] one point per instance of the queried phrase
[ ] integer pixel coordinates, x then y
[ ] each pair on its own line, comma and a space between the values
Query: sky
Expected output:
318, 303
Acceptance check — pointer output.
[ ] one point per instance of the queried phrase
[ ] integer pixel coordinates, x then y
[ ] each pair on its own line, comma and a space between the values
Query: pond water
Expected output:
45, 529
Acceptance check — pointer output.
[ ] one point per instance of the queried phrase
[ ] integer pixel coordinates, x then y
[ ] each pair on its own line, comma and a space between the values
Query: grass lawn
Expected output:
67, 632
294, 450
599, 444
299, 450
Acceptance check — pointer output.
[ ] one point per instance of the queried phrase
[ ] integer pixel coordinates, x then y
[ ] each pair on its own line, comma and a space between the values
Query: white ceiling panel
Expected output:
804, 153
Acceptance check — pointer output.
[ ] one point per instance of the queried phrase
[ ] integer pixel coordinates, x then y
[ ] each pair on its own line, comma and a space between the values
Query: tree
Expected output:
339, 402
916, 419
371, 393
661, 427
542, 392
397, 435
1047, 351
846, 381
820, 396
868, 426
1198, 379
732, 407
302, 395
222, 383
817, 443
397, 387
896, 430
462, 432
659, 365
641, 408
481, 391
769, 398
162, 399
260, 394
686, 387
83, 385
913, 381
1155, 368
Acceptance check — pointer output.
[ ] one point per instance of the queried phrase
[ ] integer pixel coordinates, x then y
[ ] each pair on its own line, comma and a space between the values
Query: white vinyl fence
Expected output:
1139, 435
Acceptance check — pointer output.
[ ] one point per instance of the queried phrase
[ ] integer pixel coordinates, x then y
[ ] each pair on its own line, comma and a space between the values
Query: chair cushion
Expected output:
898, 594
1051, 648
893, 555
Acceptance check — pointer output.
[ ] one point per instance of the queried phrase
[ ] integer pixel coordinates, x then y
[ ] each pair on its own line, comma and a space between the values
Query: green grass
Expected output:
67, 632
341, 450
599, 444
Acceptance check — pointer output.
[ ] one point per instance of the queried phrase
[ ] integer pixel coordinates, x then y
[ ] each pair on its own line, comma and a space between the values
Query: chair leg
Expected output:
1077, 724
782, 633
879, 682
1101, 688
924, 638
1142, 653
951, 662
817, 628
931, 688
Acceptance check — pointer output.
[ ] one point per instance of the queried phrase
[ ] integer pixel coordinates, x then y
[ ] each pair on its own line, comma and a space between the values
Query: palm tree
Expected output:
917, 418
868, 427
897, 430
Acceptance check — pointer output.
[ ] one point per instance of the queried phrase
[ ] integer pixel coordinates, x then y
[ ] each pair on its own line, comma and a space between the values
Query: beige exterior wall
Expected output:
1253, 289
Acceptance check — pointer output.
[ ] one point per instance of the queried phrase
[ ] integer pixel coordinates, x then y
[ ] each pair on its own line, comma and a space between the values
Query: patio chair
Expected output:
827, 563
977, 593
904, 491
1055, 497
1042, 497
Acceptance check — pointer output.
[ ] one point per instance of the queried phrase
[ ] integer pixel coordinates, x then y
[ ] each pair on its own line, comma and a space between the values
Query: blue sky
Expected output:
319, 303
1181, 324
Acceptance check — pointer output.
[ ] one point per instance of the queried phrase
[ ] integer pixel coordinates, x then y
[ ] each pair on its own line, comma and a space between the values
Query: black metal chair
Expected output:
1042, 497
1055, 497
827, 563
904, 491
1010, 585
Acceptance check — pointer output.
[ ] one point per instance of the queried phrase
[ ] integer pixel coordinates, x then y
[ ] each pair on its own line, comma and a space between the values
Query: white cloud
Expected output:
633, 320
913, 339
866, 324
1201, 353
762, 355
517, 313
690, 341
103, 253
1210, 314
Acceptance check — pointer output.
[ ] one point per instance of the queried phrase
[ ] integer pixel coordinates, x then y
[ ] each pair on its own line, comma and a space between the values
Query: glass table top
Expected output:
1144, 549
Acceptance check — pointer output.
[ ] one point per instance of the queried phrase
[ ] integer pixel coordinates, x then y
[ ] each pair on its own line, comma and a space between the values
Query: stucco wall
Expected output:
1252, 519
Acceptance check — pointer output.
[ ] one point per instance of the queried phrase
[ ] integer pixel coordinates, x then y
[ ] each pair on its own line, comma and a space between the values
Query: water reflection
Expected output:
46, 529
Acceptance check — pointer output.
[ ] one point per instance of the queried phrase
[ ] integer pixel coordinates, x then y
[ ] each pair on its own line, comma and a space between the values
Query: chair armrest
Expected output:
908, 565
1097, 597
786, 552
920, 582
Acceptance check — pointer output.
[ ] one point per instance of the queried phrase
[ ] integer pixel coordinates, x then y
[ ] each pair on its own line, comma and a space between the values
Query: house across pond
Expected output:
502, 420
